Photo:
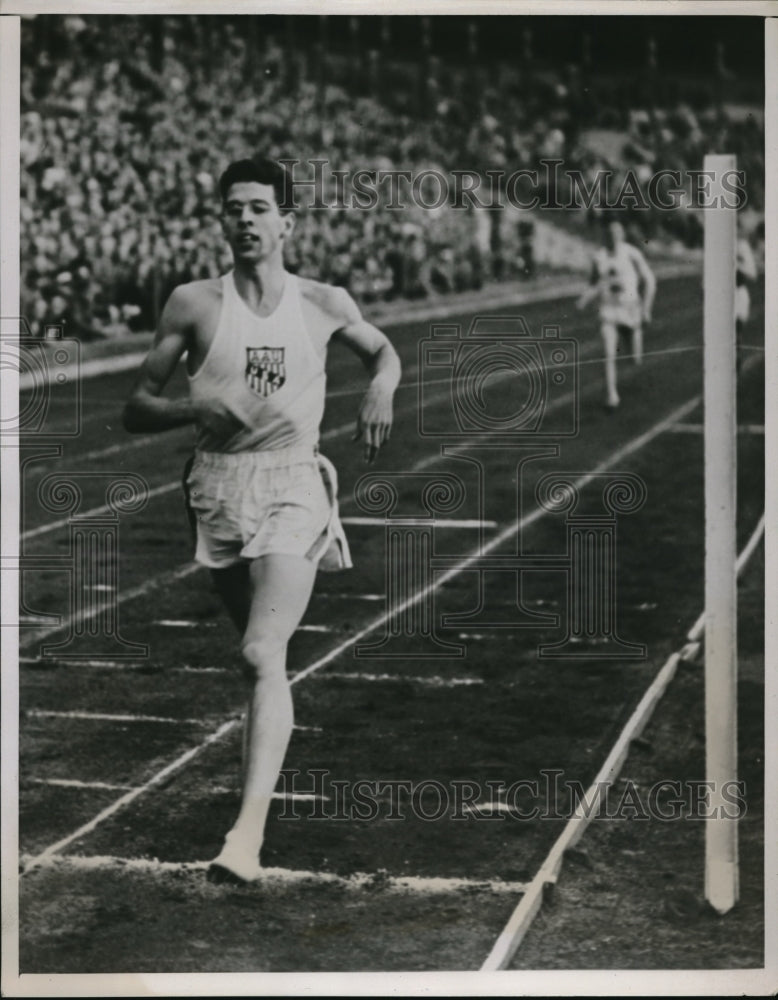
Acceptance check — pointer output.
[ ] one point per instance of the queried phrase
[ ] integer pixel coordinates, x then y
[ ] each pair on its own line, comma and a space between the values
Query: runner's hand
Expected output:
374, 421
216, 417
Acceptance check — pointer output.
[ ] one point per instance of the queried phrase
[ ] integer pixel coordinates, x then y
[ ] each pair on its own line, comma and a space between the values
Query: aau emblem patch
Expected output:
265, 370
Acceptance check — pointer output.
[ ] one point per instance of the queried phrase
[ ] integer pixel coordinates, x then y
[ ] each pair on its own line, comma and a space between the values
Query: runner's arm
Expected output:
146, 409
593, 288
374, 420
648, 282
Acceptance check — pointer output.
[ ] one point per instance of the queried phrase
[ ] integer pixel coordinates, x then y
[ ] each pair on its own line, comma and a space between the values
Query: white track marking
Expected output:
489, 807
350, 597
182, 623
438, 682
44, 529
130, 796
697, 630
632, 446
330, 435
757, 429
389, 316
74, 783
39, 713
512, 935
92, 368
507, 533
380, 522
360, 880
95, 367
179, 573
129, 444
157, 491
278, 796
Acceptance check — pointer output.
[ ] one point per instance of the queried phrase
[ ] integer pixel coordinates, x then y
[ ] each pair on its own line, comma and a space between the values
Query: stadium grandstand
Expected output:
128, 121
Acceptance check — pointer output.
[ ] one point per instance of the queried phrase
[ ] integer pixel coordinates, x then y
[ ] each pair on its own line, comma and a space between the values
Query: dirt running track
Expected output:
415, 887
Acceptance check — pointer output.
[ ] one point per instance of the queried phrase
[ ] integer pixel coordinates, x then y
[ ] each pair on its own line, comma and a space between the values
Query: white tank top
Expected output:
618, 283
267, 371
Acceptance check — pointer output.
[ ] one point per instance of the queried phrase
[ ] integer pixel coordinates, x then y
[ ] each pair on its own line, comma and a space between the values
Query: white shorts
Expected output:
626, 313
259, 503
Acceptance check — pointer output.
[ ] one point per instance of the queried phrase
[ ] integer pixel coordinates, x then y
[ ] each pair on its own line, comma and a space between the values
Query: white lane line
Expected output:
128, 797
183, 623
507, 533
350, 597
486, 808
279, 796
438, 682
52, 662
44, 529
40, 713
163, 580
333, 434
381, 522
199, 670
632, 446
157, 491
74, 783
360, 880
507, 943
129, 443
757, 429
390, 317
697, 630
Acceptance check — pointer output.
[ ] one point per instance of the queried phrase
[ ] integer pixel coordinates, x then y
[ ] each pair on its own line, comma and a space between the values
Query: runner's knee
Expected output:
264, 655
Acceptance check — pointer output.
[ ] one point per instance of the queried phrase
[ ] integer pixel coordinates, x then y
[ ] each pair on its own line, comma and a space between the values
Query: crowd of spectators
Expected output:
125, 133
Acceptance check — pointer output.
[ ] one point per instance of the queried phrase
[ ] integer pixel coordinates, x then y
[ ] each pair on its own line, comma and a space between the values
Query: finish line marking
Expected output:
285, 876
377, 678
39, 713
42, 713
380, 522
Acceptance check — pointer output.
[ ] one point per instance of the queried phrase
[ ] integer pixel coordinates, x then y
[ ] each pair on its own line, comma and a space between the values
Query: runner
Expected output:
625, 286
264, 499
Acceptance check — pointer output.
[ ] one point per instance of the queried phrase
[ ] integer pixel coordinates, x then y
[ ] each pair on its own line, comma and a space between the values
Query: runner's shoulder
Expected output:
333, 301
188, 302
197, 293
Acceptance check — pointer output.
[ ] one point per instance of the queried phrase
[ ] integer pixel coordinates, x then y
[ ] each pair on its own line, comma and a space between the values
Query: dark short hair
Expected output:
261, 170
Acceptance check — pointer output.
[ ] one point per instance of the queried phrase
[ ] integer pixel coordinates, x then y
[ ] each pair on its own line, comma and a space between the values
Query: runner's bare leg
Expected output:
610, 343
233, 585
637, 345
281, 589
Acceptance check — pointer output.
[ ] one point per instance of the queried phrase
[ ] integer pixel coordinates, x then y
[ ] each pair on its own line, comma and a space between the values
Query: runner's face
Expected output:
252, 223
614, 235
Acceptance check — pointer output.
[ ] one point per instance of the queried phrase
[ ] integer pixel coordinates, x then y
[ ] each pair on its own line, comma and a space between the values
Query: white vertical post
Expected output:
721, 852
